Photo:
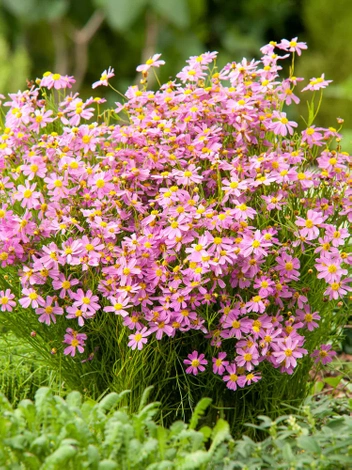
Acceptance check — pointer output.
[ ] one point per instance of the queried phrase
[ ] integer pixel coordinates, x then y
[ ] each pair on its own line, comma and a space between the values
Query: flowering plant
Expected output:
202, 212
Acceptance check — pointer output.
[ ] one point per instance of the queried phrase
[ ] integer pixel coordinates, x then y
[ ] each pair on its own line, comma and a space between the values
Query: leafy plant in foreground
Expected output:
53, 432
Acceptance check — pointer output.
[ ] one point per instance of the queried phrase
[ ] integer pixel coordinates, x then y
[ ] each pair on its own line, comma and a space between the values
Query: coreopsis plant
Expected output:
197, 227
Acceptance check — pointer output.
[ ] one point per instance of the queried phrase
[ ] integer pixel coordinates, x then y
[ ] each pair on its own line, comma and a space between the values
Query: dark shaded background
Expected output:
84, 37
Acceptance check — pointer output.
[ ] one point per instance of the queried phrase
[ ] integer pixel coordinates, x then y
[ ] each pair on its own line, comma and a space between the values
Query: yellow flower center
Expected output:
242, 207
100, 183
235, 324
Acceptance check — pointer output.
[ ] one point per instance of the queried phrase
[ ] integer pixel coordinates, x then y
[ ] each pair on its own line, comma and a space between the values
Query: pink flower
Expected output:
247, 358
288, 266
31, 299
265, 286
292, 46
28, 195
287, 351
188, 176
232, 378
338, 289
57, 81
36, 168
41, 119
119, 304
337, 236
75, 341
324, 354
308, 318
282, 125
152, 62
287, 93
196, 363
310, 225
317, 83
78, 314
87, 301
219, 364
256, 304
48, 311
233, 326
312, 136
244, 380
243, 212
127, 269
104, 78
256, 244
138, 339
161, 326
65, 285
71, 252
6, 300
329, 267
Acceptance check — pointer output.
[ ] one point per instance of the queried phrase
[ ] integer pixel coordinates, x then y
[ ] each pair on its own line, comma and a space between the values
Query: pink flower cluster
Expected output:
205, 211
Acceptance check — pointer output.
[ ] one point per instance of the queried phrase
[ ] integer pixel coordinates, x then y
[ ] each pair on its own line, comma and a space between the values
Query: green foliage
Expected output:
119, 13
51, 432
32, 11
14, 66
21, 373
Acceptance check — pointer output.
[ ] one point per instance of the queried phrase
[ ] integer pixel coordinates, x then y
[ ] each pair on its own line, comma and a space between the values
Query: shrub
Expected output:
200, 230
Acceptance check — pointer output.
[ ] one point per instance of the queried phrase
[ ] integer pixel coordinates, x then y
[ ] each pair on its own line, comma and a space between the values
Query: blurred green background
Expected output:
84, 37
